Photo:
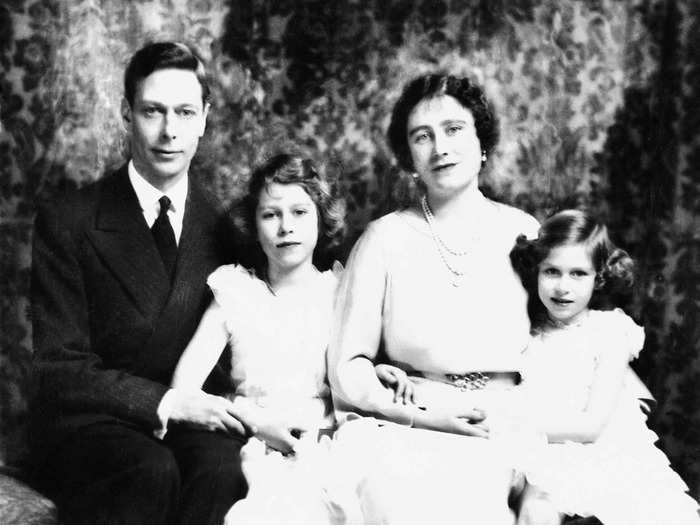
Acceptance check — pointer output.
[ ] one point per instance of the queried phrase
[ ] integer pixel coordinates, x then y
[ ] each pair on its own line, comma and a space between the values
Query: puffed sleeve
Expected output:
627, 335
234, 289
629, 339
357, 328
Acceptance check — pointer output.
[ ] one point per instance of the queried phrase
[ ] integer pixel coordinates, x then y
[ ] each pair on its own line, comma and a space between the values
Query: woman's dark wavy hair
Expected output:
613, 266
291, 168
467, 92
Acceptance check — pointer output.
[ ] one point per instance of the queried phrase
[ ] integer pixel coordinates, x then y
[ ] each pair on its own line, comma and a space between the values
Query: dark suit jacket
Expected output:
108, 326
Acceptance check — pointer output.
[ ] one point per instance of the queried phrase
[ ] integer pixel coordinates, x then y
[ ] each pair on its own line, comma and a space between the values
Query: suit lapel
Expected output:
125, 244
198, 255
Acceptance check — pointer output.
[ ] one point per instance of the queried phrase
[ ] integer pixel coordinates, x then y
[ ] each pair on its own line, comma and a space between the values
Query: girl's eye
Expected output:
300, 212
579, 273
550, 271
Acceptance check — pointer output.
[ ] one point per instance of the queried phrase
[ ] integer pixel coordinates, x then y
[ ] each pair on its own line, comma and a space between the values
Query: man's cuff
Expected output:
165, 408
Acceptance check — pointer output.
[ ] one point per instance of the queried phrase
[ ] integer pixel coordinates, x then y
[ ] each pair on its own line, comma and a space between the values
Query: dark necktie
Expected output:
164, 236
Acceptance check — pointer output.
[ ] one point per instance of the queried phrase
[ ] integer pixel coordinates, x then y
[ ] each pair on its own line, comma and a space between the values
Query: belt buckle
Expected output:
469, 381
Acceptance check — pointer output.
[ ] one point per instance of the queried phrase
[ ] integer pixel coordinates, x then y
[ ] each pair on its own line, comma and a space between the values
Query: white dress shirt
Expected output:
148, 196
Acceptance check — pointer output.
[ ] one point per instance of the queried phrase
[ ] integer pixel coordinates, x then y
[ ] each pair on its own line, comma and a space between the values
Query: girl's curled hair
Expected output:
291, 168
613, 266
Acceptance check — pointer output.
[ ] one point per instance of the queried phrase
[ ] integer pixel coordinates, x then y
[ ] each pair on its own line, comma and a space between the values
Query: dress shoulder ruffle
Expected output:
620, 331
233, 285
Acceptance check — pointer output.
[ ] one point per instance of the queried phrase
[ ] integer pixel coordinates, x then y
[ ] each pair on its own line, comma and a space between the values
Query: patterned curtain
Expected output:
598, 107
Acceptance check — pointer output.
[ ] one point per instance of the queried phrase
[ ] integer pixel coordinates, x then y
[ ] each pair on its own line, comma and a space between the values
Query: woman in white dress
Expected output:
432, 286
277, 321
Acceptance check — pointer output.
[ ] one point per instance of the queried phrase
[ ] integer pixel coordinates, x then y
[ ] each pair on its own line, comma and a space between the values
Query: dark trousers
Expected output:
114, 474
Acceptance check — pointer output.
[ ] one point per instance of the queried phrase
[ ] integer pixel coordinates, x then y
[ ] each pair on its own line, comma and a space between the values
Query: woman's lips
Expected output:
443, 167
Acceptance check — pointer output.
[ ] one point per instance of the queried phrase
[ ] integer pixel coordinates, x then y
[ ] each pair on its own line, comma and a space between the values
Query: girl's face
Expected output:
444, 147
565, 282
286, 221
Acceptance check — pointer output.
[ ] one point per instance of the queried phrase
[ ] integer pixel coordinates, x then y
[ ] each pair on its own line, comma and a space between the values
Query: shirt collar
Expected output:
148, 194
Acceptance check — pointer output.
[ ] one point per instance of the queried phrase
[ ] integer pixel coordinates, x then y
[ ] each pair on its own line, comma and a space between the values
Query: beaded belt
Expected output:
469, 381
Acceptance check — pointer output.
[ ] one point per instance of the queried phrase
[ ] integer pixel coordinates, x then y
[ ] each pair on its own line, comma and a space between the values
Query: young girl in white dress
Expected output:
601, 459
277, 322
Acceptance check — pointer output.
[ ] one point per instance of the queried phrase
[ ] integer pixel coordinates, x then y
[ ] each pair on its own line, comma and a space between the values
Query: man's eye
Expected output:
187, 113
150, 110
267, 215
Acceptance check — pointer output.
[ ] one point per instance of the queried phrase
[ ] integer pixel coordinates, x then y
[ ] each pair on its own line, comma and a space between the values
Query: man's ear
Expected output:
205, 113
126, 113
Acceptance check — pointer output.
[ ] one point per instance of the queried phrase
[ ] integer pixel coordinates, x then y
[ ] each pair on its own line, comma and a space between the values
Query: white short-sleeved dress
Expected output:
397, 294
622, 478
278, 345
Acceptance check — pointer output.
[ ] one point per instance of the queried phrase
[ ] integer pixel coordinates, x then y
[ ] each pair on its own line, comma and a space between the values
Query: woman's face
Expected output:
444, 147
565, 282
286, 221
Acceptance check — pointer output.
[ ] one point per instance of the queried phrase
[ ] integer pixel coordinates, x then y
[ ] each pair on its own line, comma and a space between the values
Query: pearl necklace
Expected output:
430, 219
442, 248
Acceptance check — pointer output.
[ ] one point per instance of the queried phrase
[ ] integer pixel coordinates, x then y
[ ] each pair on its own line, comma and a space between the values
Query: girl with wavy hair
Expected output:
600, 459
276, 318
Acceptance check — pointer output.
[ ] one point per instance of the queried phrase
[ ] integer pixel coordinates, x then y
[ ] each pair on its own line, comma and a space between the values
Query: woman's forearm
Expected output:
580, 428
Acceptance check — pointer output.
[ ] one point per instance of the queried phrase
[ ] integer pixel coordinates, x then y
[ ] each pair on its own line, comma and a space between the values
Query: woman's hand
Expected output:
396, 379
467, 422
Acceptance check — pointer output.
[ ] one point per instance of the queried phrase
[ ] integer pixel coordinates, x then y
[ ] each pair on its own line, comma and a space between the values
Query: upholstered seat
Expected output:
22, 505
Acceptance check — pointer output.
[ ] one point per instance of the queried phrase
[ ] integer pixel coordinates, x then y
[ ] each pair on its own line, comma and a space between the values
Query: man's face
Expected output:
165, 122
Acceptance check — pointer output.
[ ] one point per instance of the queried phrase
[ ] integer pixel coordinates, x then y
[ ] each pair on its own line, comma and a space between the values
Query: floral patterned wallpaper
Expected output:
598, 102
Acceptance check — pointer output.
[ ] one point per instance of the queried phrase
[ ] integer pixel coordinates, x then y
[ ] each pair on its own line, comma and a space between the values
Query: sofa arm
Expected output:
22, 505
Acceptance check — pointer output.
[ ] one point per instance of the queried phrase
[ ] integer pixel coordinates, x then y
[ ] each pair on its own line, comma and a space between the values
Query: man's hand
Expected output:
203, 410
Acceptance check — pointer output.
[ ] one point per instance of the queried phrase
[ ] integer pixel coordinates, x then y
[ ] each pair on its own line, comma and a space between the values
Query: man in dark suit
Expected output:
118, 288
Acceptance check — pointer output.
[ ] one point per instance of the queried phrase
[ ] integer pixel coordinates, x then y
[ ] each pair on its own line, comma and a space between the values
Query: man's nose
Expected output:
169, 130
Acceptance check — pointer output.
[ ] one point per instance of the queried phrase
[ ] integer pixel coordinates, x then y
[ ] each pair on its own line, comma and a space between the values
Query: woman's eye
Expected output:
579, 273
453, 130
300, 212
420, 138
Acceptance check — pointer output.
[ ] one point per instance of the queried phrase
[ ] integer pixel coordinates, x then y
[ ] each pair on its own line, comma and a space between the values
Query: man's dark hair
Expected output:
163, 55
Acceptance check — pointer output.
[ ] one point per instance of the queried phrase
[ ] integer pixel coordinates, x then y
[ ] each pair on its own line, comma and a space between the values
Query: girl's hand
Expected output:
278, 435
396, 379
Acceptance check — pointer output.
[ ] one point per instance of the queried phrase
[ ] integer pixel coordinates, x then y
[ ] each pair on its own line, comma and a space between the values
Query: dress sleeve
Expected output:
621, 333
357, 328
231, 284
